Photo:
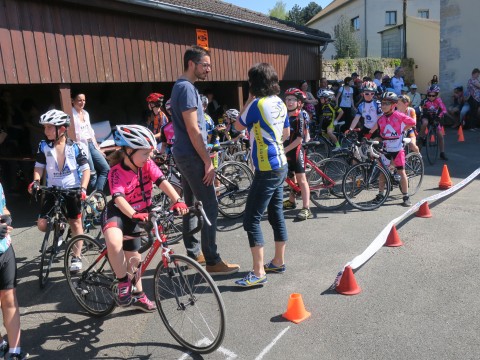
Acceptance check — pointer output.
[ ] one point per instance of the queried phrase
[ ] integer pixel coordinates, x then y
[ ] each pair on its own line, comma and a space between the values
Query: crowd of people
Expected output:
189, 125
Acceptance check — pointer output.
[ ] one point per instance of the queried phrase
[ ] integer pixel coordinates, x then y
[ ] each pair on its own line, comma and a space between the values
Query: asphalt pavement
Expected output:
418, 301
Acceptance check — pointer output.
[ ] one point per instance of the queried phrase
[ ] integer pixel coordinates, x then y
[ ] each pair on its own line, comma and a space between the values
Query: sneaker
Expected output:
336, 148
251, 280
288, 205
406, 201
271, 268
123, 293
378, 198
3, 349
304, 214
443, 156
75, 264
20, 356
200, 259
222, 268
143, 303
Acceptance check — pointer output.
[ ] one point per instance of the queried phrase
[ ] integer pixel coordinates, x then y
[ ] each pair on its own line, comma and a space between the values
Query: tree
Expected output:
300, 15
279, 10
346, 41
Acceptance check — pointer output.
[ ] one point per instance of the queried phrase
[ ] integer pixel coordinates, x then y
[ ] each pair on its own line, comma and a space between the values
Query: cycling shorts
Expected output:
327, 124
398, 158
73, 204
8, 270
296, 160
113, 217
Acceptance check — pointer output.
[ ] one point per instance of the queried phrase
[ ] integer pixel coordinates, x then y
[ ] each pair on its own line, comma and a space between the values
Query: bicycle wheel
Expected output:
49, 250
360, 186
190, 304
235, 180
432, 144
415, 169
92, 209
326, 192
91, 286
323, 148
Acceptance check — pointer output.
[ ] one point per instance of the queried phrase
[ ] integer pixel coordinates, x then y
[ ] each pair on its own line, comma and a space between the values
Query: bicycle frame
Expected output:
322, 185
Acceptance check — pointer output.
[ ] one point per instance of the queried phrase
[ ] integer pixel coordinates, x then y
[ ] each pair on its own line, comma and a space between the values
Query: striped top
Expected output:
265, 119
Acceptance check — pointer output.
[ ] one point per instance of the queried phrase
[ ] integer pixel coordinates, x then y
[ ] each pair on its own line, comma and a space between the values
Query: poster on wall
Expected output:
202, 38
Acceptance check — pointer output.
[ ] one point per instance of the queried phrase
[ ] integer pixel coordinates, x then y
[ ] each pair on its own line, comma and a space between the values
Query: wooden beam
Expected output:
240, 95
66, 105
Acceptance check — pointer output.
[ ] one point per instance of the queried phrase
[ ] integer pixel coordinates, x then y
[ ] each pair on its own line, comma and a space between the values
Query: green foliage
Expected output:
395, 62
279, 10
339, 64
301, 15
367, 66
350, 64
346, 40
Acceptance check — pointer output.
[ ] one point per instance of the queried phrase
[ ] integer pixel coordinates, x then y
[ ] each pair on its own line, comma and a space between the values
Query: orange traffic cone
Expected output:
445, 181
348, 285
443, 131
460, 134
432, 138
393, 240
295, 309
424, 211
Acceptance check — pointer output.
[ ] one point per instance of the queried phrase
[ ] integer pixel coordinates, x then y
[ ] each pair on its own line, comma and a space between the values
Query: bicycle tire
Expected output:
323, 193
432, 144
360, 186
414, 169
48, 253
233, 190
92, 212
91, 286
181, 287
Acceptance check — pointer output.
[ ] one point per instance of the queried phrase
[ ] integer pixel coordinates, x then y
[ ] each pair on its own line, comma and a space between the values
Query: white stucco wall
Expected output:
376, 20
459, 49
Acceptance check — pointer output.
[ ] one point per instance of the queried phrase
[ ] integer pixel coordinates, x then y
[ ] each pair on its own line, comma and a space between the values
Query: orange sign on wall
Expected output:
202, 38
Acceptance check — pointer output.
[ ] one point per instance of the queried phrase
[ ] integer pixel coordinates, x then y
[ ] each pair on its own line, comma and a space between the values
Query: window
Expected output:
355, 23
424, 14
390, 18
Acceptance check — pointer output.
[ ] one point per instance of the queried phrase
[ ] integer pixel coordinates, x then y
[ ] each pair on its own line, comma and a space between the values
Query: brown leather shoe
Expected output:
200, 259
222, 268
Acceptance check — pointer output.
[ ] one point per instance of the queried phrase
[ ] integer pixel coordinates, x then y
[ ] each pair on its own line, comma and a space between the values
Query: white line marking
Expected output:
229, 355
269, 346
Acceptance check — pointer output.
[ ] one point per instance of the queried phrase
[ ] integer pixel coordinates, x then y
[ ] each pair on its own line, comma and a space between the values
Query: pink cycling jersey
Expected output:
434, 107
391, 129
125, 182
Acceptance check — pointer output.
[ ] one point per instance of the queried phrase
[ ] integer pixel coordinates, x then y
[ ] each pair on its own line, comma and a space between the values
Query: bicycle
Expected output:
324, 180
326, 145
431, 140
56, 224
188, 300
92, 208
361, 182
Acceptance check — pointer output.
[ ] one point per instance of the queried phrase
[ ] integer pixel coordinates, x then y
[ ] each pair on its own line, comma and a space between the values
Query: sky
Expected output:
264, 6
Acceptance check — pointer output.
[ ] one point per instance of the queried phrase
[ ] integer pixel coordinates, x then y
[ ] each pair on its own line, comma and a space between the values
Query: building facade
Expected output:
369, 18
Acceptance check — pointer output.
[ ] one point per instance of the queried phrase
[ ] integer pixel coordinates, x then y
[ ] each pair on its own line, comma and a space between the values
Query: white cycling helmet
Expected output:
55, 118
135, 137
326, 94
232, 114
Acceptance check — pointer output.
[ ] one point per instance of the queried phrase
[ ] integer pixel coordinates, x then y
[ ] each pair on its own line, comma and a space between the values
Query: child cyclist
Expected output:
329, 115
391, 126
403, 107
294, 152
66, 166
8, 282
131, 180
433, 107
369, 110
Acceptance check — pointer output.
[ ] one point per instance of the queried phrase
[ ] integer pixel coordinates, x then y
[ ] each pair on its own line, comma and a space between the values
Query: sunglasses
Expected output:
368, 93
387, 103
432, 96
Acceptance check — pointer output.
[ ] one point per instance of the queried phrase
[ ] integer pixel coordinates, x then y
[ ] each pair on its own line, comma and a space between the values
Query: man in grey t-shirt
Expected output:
193, 160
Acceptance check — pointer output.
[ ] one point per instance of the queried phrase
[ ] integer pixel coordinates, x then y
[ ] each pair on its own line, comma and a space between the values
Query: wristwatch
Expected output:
180, 199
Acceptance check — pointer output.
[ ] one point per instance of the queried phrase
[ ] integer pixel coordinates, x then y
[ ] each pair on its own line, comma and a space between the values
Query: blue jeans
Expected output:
98, 168
266, 192
193, 170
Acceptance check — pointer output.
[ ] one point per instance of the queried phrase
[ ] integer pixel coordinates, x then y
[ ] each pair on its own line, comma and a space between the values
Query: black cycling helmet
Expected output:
389, 96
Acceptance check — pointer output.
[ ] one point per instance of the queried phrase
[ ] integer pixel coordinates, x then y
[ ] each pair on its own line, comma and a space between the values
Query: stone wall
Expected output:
341, 68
